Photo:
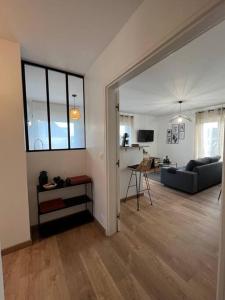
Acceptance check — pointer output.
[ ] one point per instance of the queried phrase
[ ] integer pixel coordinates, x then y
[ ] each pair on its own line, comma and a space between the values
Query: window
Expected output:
47, 103
211, 139
209, 133
126, 126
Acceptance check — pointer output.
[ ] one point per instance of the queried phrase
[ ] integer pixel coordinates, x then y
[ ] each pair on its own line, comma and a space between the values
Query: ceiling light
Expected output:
179, 118
75, 111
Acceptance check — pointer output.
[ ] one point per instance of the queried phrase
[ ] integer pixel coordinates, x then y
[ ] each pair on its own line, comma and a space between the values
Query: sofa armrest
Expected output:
209, 175
185, 181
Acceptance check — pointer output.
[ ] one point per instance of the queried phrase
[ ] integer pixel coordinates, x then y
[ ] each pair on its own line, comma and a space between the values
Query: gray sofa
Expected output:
196, 176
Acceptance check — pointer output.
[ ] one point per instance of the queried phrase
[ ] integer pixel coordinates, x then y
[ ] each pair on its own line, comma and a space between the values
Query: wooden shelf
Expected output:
78, 180
49, 206
62, 224
61, 203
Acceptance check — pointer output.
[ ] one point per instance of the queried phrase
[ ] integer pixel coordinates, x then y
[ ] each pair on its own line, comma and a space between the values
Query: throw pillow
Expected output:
190, 165
197, 162
215, 158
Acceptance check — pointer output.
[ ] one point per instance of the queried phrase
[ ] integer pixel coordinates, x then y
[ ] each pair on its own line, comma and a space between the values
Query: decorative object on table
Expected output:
75, 180
125, 140
51, 205
145, 154
68, 181
166, 160
49, 186
43, 178
74, 111
180, 117
59, 181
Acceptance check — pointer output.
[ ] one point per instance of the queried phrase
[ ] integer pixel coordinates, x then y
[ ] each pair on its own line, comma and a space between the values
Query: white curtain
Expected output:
127, 126
209, 138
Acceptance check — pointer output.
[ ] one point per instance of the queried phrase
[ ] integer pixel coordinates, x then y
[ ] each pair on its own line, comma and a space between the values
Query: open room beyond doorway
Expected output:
149, 113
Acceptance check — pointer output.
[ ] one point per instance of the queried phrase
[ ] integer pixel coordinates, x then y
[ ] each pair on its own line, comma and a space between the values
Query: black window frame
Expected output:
46, 69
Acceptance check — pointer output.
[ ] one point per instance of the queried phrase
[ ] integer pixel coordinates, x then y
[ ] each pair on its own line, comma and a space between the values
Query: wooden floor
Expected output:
167, 251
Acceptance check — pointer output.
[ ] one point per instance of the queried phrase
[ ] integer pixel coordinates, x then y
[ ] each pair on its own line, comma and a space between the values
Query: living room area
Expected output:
173, 114
171, 148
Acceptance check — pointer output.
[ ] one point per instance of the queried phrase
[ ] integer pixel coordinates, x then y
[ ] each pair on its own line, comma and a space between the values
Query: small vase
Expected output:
43, 178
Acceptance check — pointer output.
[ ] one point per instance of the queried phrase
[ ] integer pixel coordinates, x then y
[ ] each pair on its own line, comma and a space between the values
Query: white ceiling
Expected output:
68, 34
195, 74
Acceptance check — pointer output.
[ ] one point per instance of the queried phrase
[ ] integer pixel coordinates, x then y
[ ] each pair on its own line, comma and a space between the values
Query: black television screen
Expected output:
144, 136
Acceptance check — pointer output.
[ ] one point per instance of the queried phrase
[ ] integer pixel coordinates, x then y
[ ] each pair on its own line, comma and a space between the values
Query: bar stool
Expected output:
219, 194
137, 171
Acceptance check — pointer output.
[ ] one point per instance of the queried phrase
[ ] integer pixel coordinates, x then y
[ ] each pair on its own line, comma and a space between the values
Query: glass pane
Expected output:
36, 108
58, 110
77, 139
211, 138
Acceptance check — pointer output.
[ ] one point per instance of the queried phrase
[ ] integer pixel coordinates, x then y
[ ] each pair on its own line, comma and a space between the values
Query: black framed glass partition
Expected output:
50, 96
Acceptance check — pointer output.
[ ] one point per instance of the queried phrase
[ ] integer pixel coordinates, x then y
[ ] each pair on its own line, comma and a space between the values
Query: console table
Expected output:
52, 205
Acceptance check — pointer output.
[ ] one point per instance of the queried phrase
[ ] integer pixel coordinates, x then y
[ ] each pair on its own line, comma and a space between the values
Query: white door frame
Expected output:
213, 17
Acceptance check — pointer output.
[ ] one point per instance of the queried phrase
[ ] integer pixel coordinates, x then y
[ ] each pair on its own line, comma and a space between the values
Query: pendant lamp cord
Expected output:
74, 96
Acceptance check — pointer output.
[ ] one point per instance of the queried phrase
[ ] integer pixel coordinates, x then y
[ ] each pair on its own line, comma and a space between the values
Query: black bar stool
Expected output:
137, 171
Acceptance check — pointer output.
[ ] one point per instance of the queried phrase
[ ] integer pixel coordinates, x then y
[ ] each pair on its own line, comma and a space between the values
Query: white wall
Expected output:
182, 152
151, 24
56, 163
14, 212
147, 123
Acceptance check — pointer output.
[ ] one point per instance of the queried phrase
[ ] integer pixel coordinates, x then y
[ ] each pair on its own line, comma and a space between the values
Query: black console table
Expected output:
52, 205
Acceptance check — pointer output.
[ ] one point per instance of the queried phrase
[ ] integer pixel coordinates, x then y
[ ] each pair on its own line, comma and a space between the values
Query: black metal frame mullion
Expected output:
68, 110
67, 74
25, 105
48, 110
84, 115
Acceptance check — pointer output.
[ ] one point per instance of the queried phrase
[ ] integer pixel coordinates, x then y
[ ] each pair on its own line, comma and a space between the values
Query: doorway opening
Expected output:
148, 96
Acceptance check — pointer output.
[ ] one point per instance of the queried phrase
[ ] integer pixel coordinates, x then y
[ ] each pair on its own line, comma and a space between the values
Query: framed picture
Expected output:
169, 132
175, 138
175, 129
182, 127
181, 135
169, 140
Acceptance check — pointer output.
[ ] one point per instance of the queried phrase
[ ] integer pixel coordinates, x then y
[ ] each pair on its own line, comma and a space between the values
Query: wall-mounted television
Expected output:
144, 136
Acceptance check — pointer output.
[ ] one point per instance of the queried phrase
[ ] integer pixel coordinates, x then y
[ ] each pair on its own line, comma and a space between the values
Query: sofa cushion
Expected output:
190, 165
214, 158
172, 170
197, 162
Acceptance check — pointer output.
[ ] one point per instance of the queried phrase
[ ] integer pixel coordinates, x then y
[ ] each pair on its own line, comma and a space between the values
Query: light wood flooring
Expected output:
167, 251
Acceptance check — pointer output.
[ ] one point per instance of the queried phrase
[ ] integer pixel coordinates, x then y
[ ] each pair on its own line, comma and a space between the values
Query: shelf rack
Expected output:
52, 205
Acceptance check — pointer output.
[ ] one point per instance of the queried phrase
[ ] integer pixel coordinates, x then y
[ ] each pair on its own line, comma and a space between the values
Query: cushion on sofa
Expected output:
214, 158
197, 162
172, 170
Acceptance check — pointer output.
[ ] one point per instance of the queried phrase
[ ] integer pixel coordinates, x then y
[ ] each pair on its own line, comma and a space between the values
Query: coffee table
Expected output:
162, 164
